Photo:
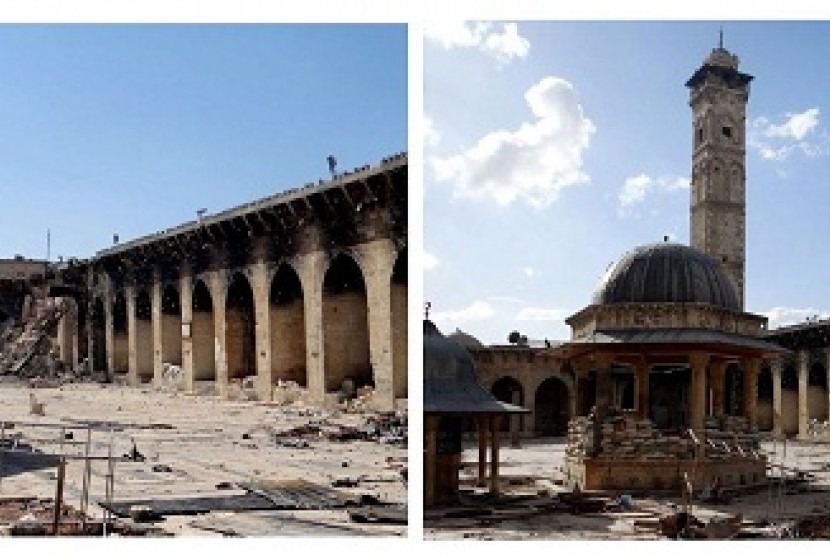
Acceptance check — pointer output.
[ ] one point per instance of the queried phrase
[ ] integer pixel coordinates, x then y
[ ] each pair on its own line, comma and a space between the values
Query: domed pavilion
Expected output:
452, 395
670, 314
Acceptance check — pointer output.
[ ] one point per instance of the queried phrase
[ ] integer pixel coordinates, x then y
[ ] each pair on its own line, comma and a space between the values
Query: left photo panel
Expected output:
203, 280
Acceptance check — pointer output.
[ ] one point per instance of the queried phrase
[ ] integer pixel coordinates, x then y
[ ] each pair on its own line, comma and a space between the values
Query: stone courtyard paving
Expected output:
199, 446
533, 475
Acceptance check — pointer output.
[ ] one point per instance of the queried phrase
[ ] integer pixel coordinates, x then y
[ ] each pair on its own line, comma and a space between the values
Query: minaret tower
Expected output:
718, 97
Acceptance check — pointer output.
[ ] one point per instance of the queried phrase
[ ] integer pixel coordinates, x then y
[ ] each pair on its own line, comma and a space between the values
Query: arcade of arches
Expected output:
263, 321
791, 391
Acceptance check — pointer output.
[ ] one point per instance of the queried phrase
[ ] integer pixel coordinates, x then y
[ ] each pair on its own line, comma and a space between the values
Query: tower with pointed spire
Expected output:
718, 95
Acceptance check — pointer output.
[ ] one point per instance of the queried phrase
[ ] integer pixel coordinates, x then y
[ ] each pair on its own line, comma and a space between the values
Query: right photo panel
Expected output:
626, 325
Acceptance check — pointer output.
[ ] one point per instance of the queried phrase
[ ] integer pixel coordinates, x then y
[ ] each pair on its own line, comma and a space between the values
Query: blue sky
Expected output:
553, 147
130, 129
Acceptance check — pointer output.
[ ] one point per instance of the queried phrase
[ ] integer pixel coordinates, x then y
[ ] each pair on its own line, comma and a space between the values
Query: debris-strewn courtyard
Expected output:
195, 465
535, 503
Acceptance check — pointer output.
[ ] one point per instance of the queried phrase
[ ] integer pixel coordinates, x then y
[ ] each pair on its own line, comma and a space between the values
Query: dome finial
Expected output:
720, 40
427, 307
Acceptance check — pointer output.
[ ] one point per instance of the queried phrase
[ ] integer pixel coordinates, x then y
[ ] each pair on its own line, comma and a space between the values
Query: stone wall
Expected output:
204, 359
171, 338
346, 338
288, 353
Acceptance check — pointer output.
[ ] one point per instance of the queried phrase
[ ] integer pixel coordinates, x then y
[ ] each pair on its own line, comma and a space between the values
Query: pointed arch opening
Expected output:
345, 327
203, 339
99, 337
120, 347
144, 336
509, 390
240, 333
286, 311
551, 408
817, 392
171, 326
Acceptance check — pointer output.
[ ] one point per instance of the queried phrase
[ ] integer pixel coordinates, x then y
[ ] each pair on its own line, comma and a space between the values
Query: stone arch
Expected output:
171, 325
203, 335
286, 311
733, 390
509, 390
817, 392
120, 348
789, 396
345, 325
144, 335
82, 315
765, 394
99, 336
398, 308
551, 407
240, 331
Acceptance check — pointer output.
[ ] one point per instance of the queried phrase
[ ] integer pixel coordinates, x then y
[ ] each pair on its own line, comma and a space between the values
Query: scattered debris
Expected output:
36, 407
134, 454
389, 514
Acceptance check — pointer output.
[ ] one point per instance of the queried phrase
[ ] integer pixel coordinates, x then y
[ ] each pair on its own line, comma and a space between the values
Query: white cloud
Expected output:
431, 134
541, 314
429, 261
529, 271
798, 132
797, 126
635, 188
503, 46
476, 311
784, 316
534, 162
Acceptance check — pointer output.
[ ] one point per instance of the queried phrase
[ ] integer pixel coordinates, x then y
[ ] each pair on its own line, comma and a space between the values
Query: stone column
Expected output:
186, 300
378, 258
494, 454
67, 330
803, 381
641, 371
777, 417
311, 268
697, 395
483, 431
515, 420
751, 369
132, 337
109, 329
717, 373
217, 282
431, 463
155, 317
262, 321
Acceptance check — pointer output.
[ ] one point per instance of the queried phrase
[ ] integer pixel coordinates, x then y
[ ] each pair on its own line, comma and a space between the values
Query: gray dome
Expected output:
450, 382
465, 340
666, 273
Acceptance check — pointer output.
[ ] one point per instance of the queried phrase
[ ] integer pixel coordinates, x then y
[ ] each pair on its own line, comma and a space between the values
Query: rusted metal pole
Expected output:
86, 476
59, 496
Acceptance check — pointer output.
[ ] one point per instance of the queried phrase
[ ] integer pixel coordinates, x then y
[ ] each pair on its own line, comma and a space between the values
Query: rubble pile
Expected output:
818, 430
288, 392
387, 428
625, 437
27, 349
34, 517
729, 435
172, 378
